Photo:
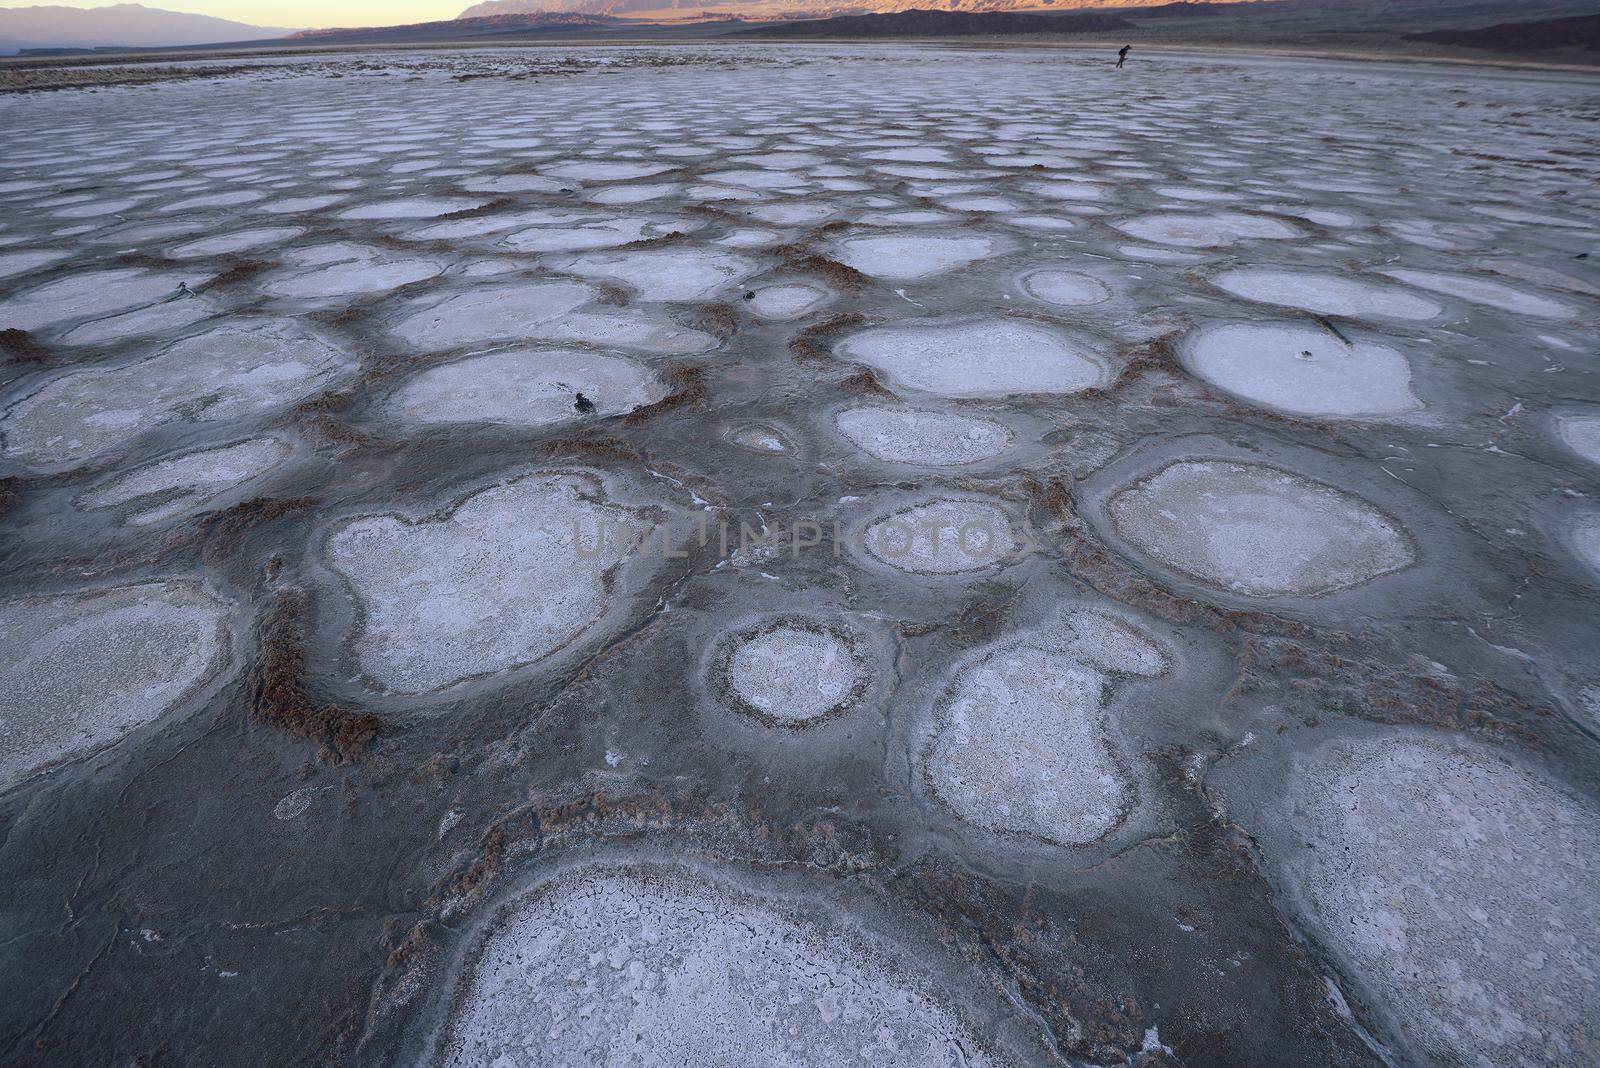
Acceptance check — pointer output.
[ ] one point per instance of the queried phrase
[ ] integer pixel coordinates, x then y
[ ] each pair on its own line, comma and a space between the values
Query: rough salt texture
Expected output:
79, 671
1302, 369
944, 537
657, 967
1461, 891
986, 358
1022, 744
1258, 531
528, 387
791, 672
511, 575
228, 373
183, 483
926, 438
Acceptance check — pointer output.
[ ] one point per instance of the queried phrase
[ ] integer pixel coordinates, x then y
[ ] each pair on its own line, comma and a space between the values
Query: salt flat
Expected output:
801, 555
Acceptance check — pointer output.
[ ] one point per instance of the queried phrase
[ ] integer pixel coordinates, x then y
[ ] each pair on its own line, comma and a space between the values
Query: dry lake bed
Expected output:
817, 555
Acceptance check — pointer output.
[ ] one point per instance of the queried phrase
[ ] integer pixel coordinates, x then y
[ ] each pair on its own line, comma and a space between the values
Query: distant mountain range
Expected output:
484, 27
121, 24
1335, 25
755, 10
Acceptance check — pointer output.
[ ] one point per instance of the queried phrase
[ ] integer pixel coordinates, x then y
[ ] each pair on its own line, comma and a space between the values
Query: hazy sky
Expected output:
294, 14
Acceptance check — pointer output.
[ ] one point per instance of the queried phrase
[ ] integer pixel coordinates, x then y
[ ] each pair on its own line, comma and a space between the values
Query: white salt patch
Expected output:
982, 204
15, 263
632, 194
598, 233
166, 317
79, 671
1302, 369
1206, 231
1330, 294
184, 483
1042, 222
641, 331
1459, 889
217, 200
89, 293
983, 358
1482, 291
411, 208
343, 269
759, 438
1021, 743
241, 241
667, 274
1582, 435
1586, 541
227, 374
510, 576
944, 537
783, 302
1196, 193
791, 672
1068, 289
904, 257
488, 313
528, 387
927, 438
662, 967
296, 205
792, 214
600, 171
512, 183
1257, 531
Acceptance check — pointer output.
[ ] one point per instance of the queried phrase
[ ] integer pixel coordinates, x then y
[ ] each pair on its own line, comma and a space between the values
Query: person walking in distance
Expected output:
1122, 55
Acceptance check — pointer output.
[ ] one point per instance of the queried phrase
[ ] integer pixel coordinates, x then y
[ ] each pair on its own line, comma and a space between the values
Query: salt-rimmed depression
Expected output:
790, 671
660, 966
1459, 891
1303, 369
1258, 531
1021, 742
981, 358
509, 576
528, 387
79, 671
224, 374
925, 438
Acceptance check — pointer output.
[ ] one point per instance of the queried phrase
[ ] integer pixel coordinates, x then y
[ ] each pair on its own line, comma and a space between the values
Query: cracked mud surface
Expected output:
800, 555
